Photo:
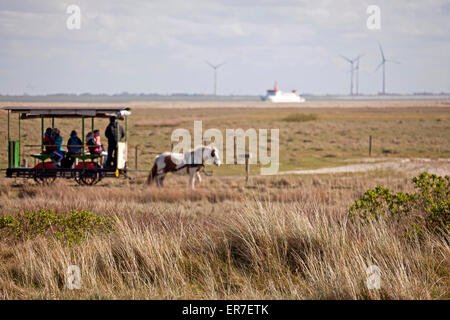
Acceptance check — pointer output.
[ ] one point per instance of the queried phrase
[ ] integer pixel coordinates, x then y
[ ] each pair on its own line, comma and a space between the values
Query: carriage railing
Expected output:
26, 154
67, 146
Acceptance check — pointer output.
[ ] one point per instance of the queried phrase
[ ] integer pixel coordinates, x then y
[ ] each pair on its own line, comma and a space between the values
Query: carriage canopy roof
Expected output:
69, 112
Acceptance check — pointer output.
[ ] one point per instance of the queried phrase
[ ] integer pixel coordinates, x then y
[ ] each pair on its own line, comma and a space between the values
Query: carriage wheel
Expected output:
87, 178
90, 179
44, 180
44, 177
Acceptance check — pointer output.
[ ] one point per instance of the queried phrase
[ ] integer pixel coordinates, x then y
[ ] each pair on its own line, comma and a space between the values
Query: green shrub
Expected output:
427, 208
434, 197
70, 228
300, 117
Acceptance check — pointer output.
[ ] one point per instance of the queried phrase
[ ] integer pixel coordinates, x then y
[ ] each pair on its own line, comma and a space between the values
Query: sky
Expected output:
140, 46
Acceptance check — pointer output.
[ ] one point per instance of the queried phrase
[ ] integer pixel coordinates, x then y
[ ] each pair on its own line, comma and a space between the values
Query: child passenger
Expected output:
59, 152
101, 149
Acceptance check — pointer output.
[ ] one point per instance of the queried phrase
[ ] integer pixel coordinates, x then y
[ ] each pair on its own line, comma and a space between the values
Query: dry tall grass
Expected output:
278, 238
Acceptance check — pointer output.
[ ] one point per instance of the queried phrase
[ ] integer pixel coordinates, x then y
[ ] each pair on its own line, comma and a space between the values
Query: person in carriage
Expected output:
101, 149
74, 145
58, 153
90, 143
48, 141
94, 145
114, 132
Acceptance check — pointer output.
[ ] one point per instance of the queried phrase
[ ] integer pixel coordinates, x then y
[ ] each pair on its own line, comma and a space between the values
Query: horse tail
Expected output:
152, 174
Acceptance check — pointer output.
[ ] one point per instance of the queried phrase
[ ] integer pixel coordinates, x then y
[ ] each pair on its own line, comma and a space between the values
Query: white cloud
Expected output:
121, 43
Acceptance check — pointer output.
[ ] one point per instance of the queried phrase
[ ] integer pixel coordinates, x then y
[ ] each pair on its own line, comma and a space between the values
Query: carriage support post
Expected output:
117, 143
8, 127
42, 141
82, 139
126, 129
20, 145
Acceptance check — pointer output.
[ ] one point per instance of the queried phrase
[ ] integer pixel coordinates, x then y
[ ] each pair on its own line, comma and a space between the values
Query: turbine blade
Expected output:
382, 53
394, 61
219, 65
378, 66
210, 64
345, 58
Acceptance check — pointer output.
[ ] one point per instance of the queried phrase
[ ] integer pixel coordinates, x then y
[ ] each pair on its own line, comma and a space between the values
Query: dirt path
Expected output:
414, 165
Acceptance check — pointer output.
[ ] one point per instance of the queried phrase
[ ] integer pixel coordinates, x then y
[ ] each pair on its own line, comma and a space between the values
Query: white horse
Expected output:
192, 161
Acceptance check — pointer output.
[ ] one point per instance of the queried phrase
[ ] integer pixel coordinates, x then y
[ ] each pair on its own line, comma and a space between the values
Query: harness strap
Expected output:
192, 164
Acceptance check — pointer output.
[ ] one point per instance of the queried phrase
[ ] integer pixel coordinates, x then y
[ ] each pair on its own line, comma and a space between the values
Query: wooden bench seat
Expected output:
43, 156
86, 156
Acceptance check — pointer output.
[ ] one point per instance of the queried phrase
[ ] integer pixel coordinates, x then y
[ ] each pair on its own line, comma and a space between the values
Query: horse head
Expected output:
211, 155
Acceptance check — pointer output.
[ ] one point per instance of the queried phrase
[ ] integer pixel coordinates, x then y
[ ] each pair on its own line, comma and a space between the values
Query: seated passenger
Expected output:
98, 141
59, 152
91, 144
101, 149
74, 143
48, 141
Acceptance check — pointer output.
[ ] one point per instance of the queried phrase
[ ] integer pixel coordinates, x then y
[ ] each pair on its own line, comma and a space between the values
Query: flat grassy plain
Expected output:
340, 131
277, 237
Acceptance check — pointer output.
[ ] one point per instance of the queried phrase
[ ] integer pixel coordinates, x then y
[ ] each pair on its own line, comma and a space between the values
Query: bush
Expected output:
427, 208
70, 228
300, 117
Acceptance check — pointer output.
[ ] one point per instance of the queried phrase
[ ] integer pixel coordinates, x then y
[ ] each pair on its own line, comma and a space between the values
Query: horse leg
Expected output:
163, 176
153, 173
192, 177
158, 179
199, 178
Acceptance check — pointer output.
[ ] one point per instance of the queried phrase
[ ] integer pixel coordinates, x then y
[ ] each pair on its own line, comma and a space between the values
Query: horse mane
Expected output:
200, 147
195, 149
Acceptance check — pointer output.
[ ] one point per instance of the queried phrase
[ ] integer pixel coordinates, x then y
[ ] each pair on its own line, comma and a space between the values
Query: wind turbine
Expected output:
357, 72
351, 71
30, 87
215, 67
383, 63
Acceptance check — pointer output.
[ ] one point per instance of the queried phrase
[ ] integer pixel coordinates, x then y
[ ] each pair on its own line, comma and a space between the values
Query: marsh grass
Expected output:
276, 238
300, 117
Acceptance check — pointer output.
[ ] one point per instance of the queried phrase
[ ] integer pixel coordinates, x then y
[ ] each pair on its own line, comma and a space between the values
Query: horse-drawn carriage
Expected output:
87, 169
